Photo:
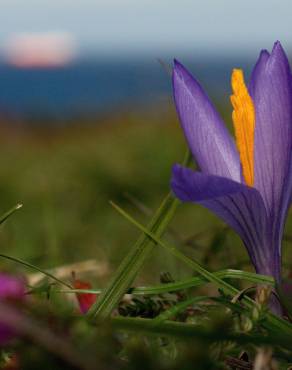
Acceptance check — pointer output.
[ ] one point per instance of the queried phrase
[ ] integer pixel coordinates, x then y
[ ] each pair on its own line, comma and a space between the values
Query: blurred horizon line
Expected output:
92, 86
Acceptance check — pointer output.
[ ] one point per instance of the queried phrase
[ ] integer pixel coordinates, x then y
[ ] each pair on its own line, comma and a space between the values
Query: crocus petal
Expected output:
260, 64
271, 91
240, 206
206, 134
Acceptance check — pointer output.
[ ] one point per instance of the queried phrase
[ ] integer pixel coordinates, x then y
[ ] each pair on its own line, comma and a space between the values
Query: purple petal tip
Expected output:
264, 53
277, 44
179, 70
278, 50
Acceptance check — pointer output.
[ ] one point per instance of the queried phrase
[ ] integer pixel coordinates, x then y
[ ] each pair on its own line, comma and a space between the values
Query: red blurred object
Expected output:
85, 300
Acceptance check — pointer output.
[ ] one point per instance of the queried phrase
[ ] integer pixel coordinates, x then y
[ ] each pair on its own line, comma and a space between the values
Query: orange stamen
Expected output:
243, 117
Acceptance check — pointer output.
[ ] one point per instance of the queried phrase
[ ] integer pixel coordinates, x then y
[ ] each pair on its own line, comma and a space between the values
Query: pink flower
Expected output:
12, 290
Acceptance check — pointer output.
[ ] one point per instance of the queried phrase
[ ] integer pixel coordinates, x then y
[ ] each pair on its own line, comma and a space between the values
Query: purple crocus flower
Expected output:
246, 182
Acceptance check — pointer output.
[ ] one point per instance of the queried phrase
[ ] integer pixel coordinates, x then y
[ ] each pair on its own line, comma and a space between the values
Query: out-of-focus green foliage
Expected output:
65, 177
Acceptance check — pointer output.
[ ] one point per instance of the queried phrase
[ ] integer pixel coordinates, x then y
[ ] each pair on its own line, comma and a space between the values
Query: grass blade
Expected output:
176, 309
134, 260
3, 218
132, 263
10, 213
185, 283
29, 265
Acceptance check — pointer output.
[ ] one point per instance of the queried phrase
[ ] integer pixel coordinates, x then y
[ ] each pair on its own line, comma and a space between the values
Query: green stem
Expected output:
185, 284
190, 331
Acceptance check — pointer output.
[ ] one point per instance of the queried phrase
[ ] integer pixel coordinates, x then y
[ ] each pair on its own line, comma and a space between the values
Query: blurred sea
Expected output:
92, 87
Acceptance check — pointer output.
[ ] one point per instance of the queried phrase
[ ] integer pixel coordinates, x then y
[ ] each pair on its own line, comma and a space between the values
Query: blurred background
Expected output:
86, 116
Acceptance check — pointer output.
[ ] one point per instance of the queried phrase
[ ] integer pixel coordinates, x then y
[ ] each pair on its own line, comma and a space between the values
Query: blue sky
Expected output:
154, 26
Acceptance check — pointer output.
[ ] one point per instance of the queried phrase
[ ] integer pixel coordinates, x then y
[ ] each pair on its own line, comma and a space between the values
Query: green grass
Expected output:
72, 180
